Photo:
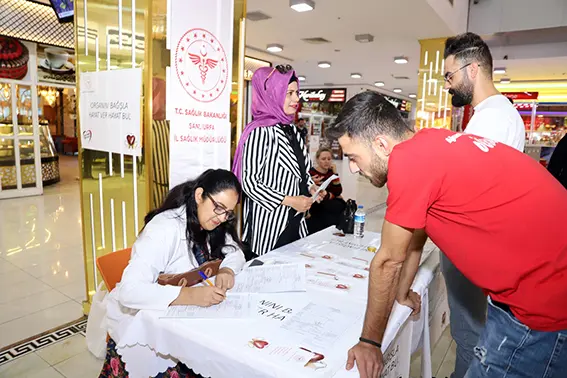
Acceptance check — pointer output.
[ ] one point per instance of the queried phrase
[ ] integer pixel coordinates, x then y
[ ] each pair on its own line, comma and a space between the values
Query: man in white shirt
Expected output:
468, 76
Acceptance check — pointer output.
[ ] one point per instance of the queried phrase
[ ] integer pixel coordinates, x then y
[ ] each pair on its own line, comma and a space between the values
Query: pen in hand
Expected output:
205, 278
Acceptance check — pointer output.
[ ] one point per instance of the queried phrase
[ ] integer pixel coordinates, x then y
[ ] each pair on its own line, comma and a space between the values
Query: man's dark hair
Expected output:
301, 119
470, 48
367, 115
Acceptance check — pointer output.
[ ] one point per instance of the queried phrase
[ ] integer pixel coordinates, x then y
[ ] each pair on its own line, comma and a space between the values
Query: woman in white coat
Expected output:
195, 224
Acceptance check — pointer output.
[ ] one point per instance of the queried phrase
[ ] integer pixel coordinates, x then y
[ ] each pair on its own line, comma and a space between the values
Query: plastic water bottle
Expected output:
359, 220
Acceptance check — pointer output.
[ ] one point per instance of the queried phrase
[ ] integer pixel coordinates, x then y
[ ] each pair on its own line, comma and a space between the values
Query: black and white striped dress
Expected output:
269, 173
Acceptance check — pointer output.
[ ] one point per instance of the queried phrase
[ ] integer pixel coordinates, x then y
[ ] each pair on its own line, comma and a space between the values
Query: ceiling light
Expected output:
412, 95
302, 5
355, 75
500, 71
397, 90
324, 65
274, 48
400, 60
301, 78
379, 83
364, 38
504, 81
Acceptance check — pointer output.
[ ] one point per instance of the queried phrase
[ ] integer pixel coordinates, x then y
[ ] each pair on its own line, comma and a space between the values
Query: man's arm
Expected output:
411, 265
385, 272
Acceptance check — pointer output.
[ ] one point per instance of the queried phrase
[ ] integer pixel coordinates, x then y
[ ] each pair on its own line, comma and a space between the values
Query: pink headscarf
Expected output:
267, 107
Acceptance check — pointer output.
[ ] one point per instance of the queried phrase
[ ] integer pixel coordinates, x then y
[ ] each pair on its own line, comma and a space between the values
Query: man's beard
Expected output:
378, 172
463, 94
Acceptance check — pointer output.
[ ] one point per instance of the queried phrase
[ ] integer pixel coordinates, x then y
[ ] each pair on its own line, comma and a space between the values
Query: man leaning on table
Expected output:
474, 198
468, 77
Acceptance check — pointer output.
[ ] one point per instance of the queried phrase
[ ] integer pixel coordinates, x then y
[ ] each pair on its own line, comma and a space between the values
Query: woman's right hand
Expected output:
207, 296
301, 204
204, 296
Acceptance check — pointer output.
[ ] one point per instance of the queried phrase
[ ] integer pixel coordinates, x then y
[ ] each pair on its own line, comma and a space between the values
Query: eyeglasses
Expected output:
449, 75
221, 210
283, 69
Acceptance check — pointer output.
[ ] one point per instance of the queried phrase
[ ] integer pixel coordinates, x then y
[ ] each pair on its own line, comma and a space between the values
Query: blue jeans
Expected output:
468, 314
509, 349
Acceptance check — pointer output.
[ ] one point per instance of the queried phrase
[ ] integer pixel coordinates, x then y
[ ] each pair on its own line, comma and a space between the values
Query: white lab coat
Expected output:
160, 248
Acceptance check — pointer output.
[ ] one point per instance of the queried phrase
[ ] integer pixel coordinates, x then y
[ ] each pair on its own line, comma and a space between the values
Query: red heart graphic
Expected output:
327, 257
131, 139
88, 134
358, 275
260, 344
342, 287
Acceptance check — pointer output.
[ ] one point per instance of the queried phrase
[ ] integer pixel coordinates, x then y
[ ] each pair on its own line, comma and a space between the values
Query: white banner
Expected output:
199, 86
110, 111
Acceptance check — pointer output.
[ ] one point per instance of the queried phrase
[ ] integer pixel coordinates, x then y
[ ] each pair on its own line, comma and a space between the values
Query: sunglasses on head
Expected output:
283, 69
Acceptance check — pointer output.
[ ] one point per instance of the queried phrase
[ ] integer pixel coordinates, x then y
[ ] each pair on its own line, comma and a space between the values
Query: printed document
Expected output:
270, 279
235, 306
320, 326
324, 186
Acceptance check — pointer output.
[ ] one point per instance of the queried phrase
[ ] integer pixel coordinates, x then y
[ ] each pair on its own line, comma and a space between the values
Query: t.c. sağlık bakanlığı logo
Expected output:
201, 65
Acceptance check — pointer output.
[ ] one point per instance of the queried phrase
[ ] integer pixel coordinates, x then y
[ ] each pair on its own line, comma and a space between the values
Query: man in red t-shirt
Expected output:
481, 202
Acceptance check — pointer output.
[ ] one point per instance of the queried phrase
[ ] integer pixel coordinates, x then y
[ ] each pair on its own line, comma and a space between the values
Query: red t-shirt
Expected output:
496, 213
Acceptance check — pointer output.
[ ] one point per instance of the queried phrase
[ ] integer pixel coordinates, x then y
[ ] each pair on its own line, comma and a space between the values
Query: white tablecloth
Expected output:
220, 348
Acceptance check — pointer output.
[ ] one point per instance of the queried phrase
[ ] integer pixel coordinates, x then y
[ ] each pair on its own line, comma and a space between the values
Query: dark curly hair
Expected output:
212, 181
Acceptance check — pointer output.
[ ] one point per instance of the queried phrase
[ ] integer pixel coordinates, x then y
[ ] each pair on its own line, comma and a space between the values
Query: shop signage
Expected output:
199, 86
323, 95
110, 111
521, 95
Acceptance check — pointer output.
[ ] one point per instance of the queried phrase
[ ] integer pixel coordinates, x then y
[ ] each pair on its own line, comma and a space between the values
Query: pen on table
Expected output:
205, 278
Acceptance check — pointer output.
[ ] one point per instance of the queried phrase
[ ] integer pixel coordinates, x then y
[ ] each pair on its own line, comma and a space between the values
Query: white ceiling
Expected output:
397, 25
533, 69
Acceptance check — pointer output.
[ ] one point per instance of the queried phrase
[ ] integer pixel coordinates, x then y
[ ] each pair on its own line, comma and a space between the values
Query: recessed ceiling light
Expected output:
379, 83
505, 81
397, 90
274, 47
500, 71
301, 78
324, 64
400, 60
412, 95
364, 38
355, 75
302, 5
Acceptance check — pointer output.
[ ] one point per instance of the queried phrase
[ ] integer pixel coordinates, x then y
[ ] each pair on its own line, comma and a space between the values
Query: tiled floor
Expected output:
41, 259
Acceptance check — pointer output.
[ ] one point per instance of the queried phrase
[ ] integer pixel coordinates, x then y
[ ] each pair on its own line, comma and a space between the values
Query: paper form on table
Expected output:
270, 279
319, 326
235, 306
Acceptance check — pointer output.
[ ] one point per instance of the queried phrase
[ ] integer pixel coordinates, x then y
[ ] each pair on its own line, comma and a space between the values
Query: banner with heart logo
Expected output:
110, 111
199, 86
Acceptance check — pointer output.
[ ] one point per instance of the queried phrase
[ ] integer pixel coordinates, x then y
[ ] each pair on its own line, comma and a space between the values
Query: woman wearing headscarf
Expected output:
272, 162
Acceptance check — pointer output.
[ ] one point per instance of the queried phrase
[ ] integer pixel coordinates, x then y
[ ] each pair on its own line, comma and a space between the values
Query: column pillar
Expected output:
434, 104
